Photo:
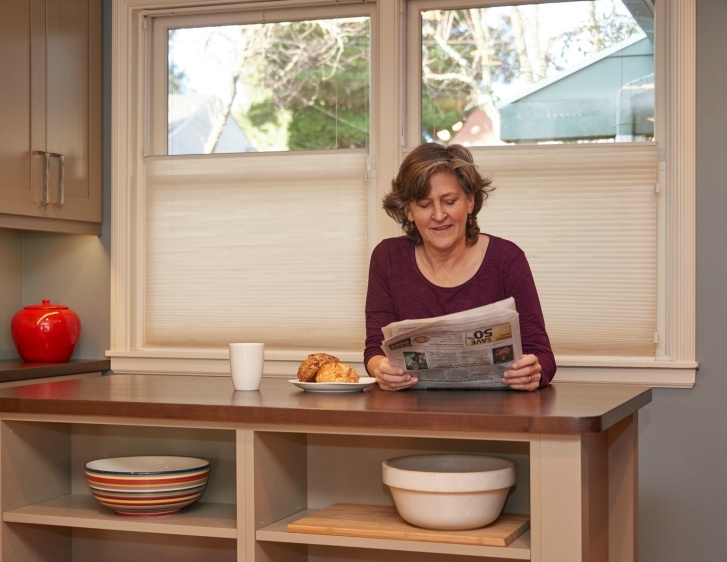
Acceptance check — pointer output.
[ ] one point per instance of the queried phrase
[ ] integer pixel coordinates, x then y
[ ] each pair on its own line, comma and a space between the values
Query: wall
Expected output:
11, 286
683, 491
72, 270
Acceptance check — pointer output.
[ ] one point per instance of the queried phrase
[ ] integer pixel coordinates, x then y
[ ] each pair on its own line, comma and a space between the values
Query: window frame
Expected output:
676, 365
674, 362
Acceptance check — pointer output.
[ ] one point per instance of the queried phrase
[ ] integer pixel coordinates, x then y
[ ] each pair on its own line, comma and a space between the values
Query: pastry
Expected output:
308, 369
337, 372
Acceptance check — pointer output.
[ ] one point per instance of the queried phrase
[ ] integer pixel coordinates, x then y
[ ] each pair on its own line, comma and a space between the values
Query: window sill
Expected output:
278, 362
657, 376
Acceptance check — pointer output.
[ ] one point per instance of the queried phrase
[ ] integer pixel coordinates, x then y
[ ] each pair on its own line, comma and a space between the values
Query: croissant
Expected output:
309, 368
337, 372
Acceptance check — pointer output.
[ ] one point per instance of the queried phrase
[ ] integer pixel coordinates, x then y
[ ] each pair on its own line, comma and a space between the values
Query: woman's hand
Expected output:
525, 373
387, 376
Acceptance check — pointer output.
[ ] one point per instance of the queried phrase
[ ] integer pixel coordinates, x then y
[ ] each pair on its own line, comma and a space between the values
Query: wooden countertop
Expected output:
566, 408
19, 370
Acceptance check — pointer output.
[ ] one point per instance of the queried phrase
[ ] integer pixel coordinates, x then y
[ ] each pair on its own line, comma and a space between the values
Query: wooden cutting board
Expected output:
384, 522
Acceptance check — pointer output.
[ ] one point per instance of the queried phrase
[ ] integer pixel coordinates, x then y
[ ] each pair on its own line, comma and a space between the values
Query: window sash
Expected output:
586, 219
599, 112
159, 22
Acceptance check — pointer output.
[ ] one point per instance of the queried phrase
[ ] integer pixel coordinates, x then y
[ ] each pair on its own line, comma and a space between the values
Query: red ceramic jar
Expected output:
45, 333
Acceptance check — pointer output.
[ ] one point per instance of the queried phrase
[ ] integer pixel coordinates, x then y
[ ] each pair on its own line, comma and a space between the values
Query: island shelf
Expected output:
281, 454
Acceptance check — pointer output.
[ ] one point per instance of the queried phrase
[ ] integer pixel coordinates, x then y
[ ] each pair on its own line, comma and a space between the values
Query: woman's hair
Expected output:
412, 183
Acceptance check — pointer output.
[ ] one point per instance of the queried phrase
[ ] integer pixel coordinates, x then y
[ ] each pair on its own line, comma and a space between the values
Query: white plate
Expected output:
363, 382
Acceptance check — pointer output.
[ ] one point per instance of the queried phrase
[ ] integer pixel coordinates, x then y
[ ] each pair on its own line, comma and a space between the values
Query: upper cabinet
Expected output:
50, 115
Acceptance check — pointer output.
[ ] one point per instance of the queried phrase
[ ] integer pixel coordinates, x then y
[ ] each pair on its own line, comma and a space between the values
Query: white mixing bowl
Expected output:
449, 492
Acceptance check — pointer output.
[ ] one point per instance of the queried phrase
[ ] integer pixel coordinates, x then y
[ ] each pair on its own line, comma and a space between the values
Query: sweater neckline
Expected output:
412, 256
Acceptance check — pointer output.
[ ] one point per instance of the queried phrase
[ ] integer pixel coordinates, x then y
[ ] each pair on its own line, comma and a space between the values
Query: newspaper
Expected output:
470, 349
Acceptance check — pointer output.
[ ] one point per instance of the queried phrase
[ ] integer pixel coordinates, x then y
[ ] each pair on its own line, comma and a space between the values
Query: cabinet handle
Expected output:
61, 169
46, 169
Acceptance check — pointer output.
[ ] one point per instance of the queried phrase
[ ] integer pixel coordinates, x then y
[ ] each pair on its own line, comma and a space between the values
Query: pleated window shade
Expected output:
264, 248
585, 216
274, 248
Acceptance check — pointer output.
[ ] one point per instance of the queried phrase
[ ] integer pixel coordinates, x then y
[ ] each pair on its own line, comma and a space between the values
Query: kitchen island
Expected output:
281, 454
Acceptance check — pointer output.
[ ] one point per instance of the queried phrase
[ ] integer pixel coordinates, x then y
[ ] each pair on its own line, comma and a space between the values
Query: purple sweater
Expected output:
398, 291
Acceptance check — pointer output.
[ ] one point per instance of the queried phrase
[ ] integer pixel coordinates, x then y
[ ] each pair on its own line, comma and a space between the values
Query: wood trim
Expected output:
43, 224
679, 138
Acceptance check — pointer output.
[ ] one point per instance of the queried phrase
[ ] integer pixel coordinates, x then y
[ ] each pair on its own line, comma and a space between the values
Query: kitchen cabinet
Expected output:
50, 140
280, 454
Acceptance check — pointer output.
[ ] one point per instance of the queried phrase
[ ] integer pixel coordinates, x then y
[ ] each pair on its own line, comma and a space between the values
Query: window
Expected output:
274, 86
553, 72
590, 192
605, 213
556, 101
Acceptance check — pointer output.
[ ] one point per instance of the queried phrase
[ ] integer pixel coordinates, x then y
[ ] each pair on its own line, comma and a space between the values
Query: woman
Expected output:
444, 265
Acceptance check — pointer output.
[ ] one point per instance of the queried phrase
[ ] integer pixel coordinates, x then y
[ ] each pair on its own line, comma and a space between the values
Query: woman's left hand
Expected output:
525, 373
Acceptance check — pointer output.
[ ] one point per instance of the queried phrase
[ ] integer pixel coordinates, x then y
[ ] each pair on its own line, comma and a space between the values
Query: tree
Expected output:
305, 85
176, 79
291, 85
317, 72
467, 54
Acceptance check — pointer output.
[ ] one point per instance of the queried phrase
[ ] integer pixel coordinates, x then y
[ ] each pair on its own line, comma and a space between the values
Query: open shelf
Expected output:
83, 511
277, 488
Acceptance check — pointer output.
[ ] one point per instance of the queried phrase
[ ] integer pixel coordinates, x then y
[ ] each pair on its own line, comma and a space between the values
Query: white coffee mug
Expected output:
246, 365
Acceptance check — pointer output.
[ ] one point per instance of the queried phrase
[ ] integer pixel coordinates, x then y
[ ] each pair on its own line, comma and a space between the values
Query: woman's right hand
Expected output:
388, 376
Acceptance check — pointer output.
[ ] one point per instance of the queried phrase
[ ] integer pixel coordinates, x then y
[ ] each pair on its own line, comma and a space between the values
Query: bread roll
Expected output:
308, 369
337, 372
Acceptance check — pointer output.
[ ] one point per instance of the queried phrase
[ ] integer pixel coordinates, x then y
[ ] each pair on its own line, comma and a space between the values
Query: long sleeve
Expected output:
397, 291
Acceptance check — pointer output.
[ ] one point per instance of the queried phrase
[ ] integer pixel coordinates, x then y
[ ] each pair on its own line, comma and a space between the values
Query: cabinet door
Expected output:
18, 21
73, 108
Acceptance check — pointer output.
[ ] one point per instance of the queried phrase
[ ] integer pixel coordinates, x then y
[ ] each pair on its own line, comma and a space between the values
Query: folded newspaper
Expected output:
469, 349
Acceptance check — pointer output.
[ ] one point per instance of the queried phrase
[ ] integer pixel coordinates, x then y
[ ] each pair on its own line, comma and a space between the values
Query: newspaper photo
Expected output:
469, 349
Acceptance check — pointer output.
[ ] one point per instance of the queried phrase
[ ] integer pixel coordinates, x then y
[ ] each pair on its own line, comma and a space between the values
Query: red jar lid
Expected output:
46, 305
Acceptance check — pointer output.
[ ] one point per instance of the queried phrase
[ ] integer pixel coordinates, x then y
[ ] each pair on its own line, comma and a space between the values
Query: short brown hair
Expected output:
412, 183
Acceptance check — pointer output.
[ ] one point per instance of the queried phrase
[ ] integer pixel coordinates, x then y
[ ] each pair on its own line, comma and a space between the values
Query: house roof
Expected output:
191, 119
608, 96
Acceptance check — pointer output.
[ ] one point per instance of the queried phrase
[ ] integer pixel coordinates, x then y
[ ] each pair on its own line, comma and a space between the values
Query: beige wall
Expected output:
682, 488
11, 286
72, 270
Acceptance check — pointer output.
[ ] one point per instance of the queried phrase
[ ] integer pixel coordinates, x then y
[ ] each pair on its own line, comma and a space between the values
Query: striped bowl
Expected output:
147, 486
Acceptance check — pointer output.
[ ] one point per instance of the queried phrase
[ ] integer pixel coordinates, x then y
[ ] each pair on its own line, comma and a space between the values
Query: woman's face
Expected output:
441, 217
